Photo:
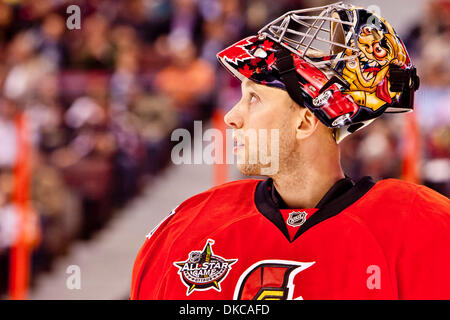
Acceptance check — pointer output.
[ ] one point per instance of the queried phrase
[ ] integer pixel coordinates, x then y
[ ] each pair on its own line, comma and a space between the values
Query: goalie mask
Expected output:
344, 63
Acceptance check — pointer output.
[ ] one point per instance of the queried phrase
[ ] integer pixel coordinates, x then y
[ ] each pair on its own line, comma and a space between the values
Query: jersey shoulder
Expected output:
395, 201
227, 193
210, 209
416, 195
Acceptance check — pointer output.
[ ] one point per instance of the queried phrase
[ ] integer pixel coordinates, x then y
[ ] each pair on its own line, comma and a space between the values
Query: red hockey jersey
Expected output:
365, 240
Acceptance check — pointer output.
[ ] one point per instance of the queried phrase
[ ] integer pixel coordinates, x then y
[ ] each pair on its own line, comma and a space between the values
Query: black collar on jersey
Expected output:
340, 196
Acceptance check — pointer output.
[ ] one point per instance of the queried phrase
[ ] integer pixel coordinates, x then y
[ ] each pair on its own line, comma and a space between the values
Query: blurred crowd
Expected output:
101, 102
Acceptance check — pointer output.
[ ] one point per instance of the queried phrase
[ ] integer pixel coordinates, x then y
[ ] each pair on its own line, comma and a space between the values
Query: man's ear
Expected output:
307, 123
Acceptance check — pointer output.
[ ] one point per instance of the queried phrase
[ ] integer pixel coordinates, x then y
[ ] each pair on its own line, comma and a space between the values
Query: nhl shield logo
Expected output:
296, 218
203, 270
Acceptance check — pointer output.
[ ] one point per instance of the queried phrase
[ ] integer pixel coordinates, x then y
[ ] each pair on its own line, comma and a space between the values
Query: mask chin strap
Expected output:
288, 75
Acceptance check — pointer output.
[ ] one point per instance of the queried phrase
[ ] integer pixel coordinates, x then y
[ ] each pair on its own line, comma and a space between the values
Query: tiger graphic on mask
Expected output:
367, 74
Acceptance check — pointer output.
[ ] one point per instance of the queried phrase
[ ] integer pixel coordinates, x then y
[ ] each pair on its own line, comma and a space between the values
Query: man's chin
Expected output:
249, 169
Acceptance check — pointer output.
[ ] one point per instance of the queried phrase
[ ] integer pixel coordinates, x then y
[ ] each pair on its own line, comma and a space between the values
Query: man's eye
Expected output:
253, 99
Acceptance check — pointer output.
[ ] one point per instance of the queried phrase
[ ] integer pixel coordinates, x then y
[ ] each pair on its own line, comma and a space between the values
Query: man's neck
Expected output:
305, 188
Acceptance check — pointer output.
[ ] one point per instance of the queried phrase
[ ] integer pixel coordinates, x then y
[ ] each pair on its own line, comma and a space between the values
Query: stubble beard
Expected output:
285, 151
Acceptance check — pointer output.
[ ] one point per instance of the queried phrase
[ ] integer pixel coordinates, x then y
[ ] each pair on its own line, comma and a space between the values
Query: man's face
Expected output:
264, 129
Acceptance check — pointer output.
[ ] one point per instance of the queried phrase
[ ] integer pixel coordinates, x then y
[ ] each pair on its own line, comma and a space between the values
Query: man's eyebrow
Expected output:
249, 84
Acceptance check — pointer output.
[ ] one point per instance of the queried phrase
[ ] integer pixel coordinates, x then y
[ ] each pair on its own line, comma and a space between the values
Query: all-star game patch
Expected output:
203, 270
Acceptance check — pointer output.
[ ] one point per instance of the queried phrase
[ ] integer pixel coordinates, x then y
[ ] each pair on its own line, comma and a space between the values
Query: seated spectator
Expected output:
188, 79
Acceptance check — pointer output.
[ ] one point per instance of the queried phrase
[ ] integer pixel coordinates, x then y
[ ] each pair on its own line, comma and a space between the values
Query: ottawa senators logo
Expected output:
269, 280
203, 270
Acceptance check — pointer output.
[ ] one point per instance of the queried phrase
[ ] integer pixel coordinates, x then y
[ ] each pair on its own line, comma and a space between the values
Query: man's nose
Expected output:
233, 118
